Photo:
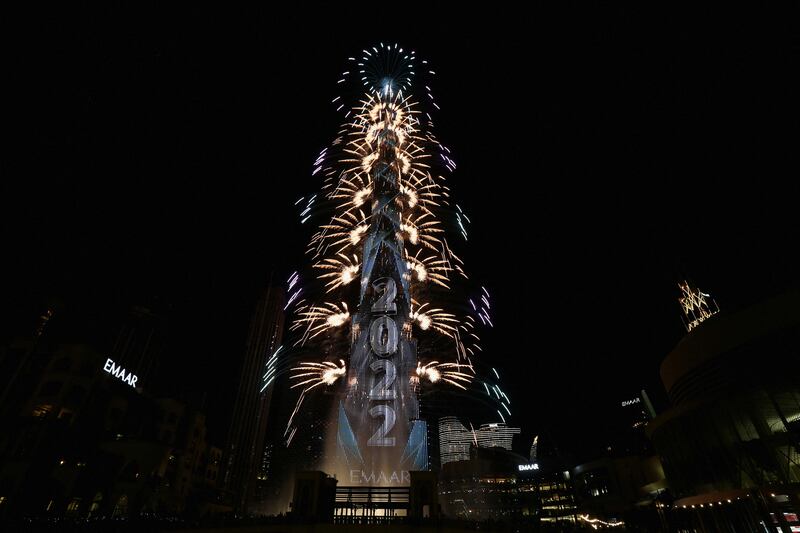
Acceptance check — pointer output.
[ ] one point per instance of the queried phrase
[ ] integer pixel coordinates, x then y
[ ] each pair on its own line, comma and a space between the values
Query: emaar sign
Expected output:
119, 373
525, 468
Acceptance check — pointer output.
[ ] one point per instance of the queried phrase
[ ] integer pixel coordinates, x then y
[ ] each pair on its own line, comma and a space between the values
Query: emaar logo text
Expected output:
119, 372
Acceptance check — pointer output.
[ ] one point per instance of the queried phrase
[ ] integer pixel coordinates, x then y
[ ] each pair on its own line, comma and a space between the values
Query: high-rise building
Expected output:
496, 435
246, 438
140, 343
546, 494
455, 440
383, 254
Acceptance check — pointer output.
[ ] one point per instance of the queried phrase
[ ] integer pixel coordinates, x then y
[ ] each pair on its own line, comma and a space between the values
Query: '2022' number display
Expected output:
383, 339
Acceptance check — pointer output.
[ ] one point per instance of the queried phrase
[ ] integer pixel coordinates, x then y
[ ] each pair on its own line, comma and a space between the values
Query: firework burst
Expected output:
311, 374
387, 135
447, 372
316, 319
384, 209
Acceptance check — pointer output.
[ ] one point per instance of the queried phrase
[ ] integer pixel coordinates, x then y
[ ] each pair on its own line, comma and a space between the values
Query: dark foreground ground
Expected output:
265, 526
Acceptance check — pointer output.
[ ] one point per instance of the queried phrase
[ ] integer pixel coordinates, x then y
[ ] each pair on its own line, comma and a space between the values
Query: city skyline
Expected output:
619, 194
163, 172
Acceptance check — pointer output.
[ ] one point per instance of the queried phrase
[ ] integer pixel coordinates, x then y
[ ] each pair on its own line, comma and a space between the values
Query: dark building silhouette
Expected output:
20, 366
620, 488
625, 425
483, 486
291, 449
82, 442
730, 443
141, 343
247, 450
314, 496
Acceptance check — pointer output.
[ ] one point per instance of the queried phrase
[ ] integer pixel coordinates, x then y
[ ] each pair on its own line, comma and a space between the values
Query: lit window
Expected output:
74, 505
42, 410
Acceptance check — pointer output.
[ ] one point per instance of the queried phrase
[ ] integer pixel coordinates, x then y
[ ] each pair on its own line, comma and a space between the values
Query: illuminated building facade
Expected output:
496, 435
380, 436
730, 443
483, 487
546, 495
389, 290
455, 440
500, 485
246, 443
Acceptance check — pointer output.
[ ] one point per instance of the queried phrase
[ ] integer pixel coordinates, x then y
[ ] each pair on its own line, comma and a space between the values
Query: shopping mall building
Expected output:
730, 443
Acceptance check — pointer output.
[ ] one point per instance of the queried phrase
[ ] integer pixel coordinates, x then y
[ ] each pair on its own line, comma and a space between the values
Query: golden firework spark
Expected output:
315, 374
318, 318
448, 372
427, 317
339, 270
384, 180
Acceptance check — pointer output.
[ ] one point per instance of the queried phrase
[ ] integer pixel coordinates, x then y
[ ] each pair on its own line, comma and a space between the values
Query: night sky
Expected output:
603, 154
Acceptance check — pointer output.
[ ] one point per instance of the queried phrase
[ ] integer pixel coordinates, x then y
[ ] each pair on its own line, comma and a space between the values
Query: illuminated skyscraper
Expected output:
246, 439
496, 435
454, 440
385, 319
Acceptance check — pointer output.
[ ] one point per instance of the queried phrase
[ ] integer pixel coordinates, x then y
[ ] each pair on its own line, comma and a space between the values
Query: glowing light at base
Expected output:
596, 523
